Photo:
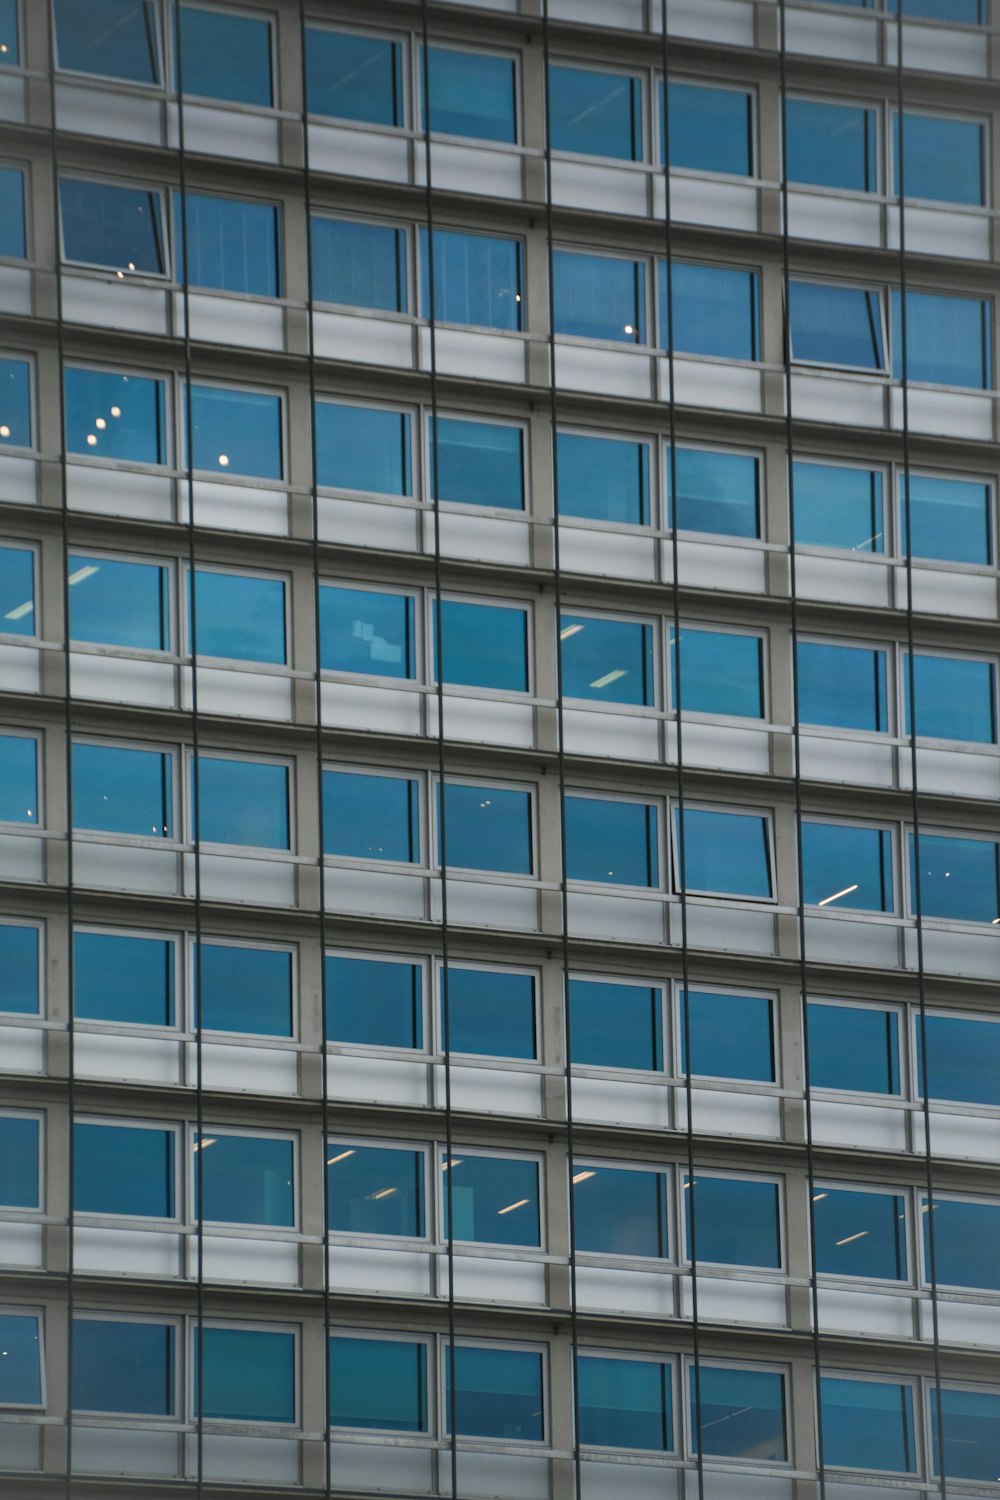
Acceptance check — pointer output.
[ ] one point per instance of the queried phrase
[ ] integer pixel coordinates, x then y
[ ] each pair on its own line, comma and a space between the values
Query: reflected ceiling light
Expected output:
82, 573
629, 328
131, 265
564, 635
223, 460
20, 611
456, 1161
91, 440
331, 1159
203, 1145
609, 677
837, 894
818, 1196
100, 424
120, 275
4, 430
859, 1236
116, 411
995, 922
511, 1206
582, 1176
384, 1193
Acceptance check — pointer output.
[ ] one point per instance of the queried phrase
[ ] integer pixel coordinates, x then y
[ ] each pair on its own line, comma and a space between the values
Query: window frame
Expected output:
177, 1129
244, 1326
638, 1356
844, 1280
667, 1038
38, 925
724, 987
158, 86
211, 752
172, 611
780, 1272
402, 39
475, 49
176, 755
890, 528
523, 606
421, 961
881, 373
241, 1132
422, 319
939, 652
142, 1028
429, 1342
493, 784
188, 961
185, 458
665, 467
410, 287
661, 93
173, 416
761, 633
784, 1370
501, 1153
489, 1444
40, 1116
654, 503
913, 1383
937, 830
29, 359
34, 549
654, 801
165, 231
893, 683
410, 410
655, 625
483, 966
37, 737
921, 1272
422, 463
896, 861
171, 59
634, 75
669, 1171
24, 166
38, 1312
888, 1007
739, 809
899, 514
639, 259
144, 1420
928, 109
227, 570
427, 1150
424, 833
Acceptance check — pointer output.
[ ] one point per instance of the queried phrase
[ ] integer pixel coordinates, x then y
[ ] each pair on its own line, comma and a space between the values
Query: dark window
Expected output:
224, 56
19, 965
860, 1234
724, 852
498, 1393
734, 1221
836, 325
731, 1036
127, 979
738, 1413
490, 1199
236, 432
21, 1366
488, 1012
967, 1433
469, 93
13, 242
964, 1058
868, 1424
595, 113
832, 145
966, 1243
244, 989
124, 1169
374, 1002
358, 265
354, 77
15, 403
842, 685
112, 38
124, 1368
241, 802
244, 1179
715, 310
118, 603
610, 661
477, 279
20, 1177
949, 340
247, 1375
119, 789
10, 54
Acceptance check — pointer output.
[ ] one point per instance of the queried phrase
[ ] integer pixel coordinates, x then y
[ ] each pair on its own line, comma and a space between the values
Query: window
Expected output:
487, 1012
949, 340
244, 1179
717, 672
115, 416
375, 1189
711, 129
363, 448
481, 645
842, 685
124, 1169
498, 1392
13, 242
847, 865
610, 661
490, 1199
485, 828
947, 519
832, 145
724, 852
15, 403
716, 492
354, 77
959, 878
112, 38
128, 979
367, 631
599, 297
620, 1210
119, 789
371, 817
18, 779
733, 1221
965, 1436
836, 325
595, 113
358, 264
838, 507
965, 1242
612, 842
244, 989
20, 1161
477, 279
868, 1424
19, 965
738, 1413
17, 591
625, 1403
854, 1048
108, 224
378, 1383
21, 1367
119, 603
962, 1061
634, 1040
374, 1002
246, 1374
238, 616
237, 431
10, 55
232, 245
603, 478
941, 159
731, 1035
240, 802
955, 699
965, 12
469, 93
477, 463
860, 1233
714, 310
224, 56
124, 1367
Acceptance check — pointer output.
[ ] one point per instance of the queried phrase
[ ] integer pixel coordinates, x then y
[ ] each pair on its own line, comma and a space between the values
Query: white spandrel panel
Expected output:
818, 33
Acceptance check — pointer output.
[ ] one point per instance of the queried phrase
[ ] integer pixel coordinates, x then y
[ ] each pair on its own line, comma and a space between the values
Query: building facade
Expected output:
499, 857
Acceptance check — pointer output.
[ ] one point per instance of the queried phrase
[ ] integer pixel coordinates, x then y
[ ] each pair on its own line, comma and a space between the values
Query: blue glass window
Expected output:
964, 1058
738, 1413
948, 519
20, 1184
966, 12
247, 1374
949, 340
724, 852
711, 129
375, 1189
612, 842
967, 1433
12, 233
486, 828
118, 977
860, 1234
19, 968
616, 1025
832, 145
239, 616
715, 310
498, 1393
354, 77
124, 1169
599, 297
868, 1424
488, 1012
244, 989
837, 507
603, 479
358, 264
18, 778
232, 245
847, 866
595, 113
716, 492
370, 816
731, 1036
718, 673
607, 660
21, 1369
374, 1002
363, 448
482, 645
17, 591
241, 802
853, 1047
836, 325
112, 38
224, 56
842, 685
942, 159
966, 1243
620, 1211
10, 54
477, 463
378, 1384
105, 224
244, 1179
368, 632
236, 432
119, 603
115, 416
736, 1221
124, 1367
15, 403
625, 1403
955, 699
490, 1200
469, 93
959, 878
477, 279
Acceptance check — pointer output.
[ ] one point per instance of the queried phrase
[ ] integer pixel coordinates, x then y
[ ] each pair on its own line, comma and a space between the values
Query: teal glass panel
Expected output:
498, 1393
124, 1368
378, 1384
244, 989
224, 56
610, 661
482, 645
118, 603
619, 1211
20, 1177
104, 224
352, 77
955, 699
860, 1234
838, 507
717, 673
247, 1374
124, 1169
19, 969
949, 340
616, 1025
625, 1403
363, 448
853, 1047
844, 686
948, 519
477, 279
963, 1058
716, 492
612, 842
959, 878
486, 828
488, 1012
21, 1367
599, 297
845, 865
832, 145
128, 980
371, 817
469, 93
374, 1002
595, 113
711, 129
357, 264
374, 1190
123, 790
868, 1424
364, 631
239, 617
603, 479
241, 802
731, 1036
724, 852
477, 463
115, 416
714, 310
732, 1221
17, 591
490, 1200
738, 1413
111, 38
244, 1179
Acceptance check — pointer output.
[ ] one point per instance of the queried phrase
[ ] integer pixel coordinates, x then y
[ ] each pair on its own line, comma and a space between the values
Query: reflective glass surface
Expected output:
12, 236
236, 432
224, 56
716, 492
711, 130
608, 660
112, 38
115, 416
21, 1367
717, 673
612, 842
967, 1433
374, 1189
618, 1211
10, 52
715, 310
853, 1047
603, 479
949, 340
124, 1169
616, 1025
595, 113
371, 817
735, 1221
868, 1424
19, 1164
245, 989
469, 93
477, 279
724, 852
844, 865
244, 1179
354, 77
118, 789
239, 617
836, 325
358, 264
232, 245
837, 507
959, 878
948, 519
832, 145
738, 1413
241, 802
860, 1234
486, 828
599, 297
730, 1035
966, 1243
118, 603
15, 403
378, 1383
498, 1393
966, 12
362, 630
363, 448
625, 1403
124, 1367
489, 1012
374, 1002
477, 463
105, 224
19, 954
18, 779
247, 1374
955, 699
942, 159
482, 645
17, 591
842, 685
118, 977
964, 1058
490, 1199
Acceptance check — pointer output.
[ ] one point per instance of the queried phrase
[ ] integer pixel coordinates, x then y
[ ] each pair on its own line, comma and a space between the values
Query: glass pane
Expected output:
378, 1383
470, 93
125, 979
113, 38
241, 802
625, 1403
711, 130
730, 1035
488, 1012
245, 989
848, 866
964, 1058
103, 224
243, 1179
736, 1222
21, 1367
718, 673
836, 325
19, 1165
239, 617
232, 246
119, 603
634, 1040
970, 1425
225, 57
374, 1190
236, 432
17, 591
486, 828
358, 265
18, 779
490, 1200
249, 1375
354, 77
620, 1212
603, 479
955, 699
967, 12
362, 448
498, 1393
19, 986
853, 1047
948, 519
942, 159
725, 852
477, 463
118, 790
115, 416
837, 507
860, 1234
482, 645
958, 878
15, 403
12, 237
374, 1002
714, 310
832, 145
10, 55
948, 340
124, 1367
599, 297
612, 842
371, 817
842, 685
716, 492
868, 1424
738, 1413
598, 114
122, 1169
607, 660
367, 632
477, 279
966, 1243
